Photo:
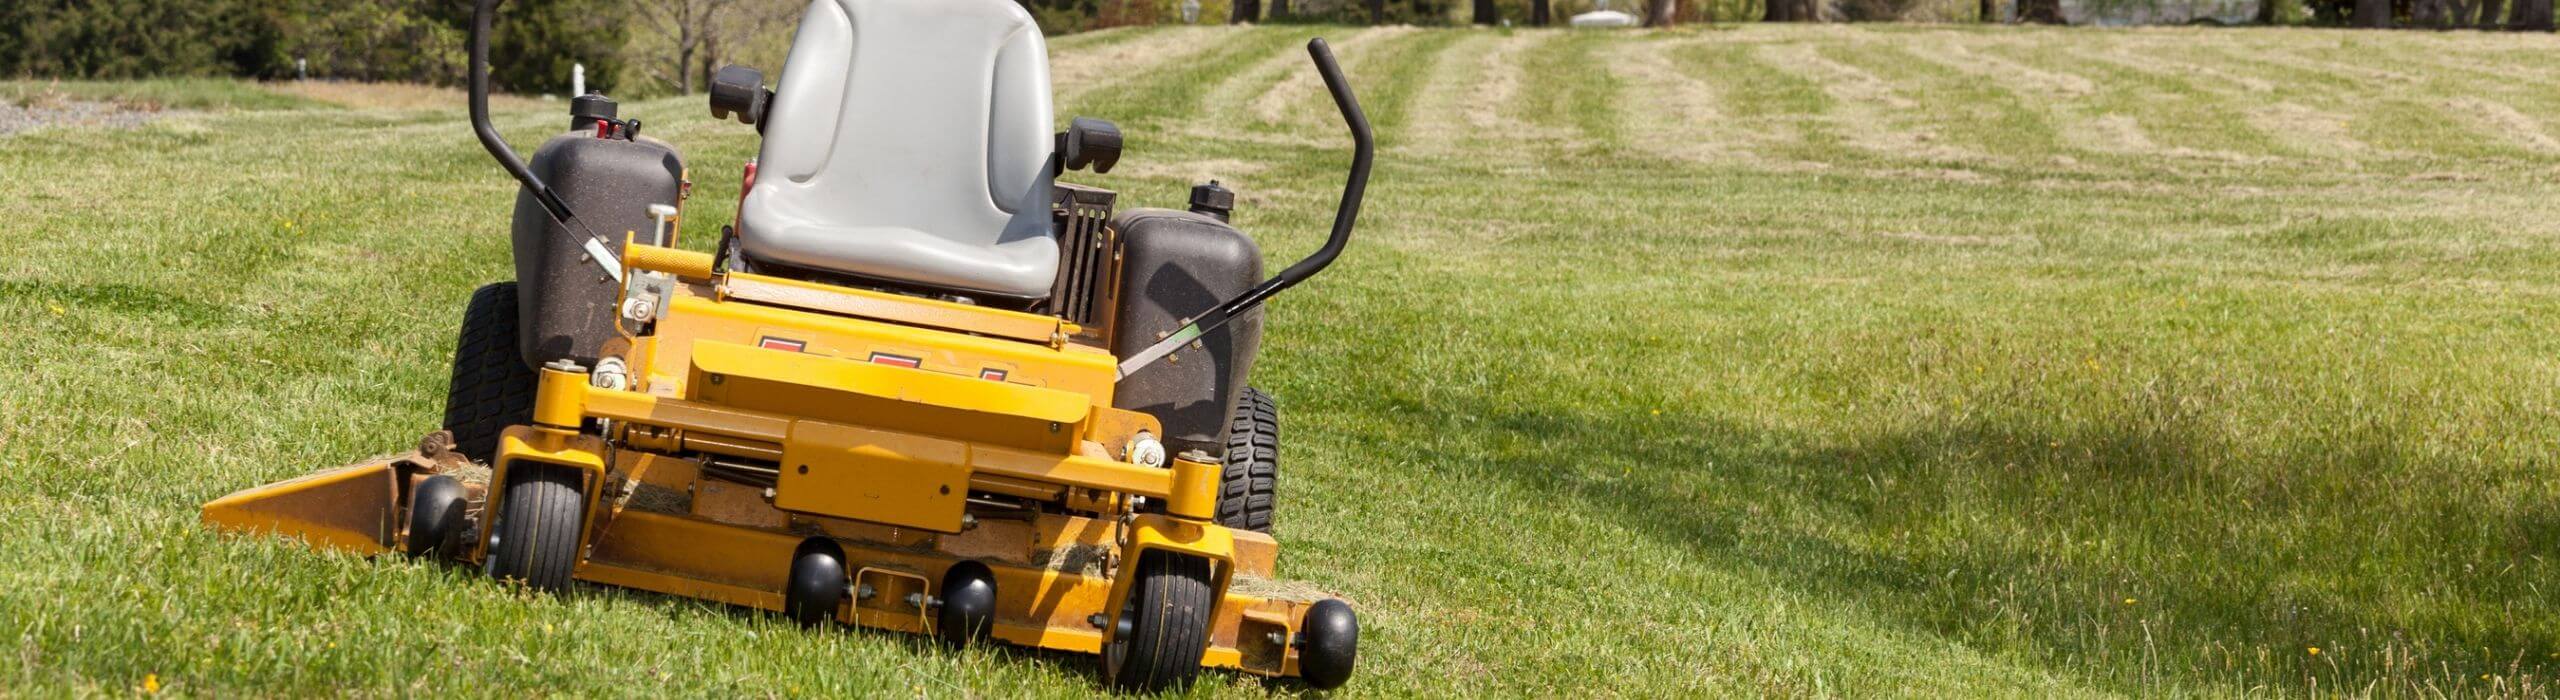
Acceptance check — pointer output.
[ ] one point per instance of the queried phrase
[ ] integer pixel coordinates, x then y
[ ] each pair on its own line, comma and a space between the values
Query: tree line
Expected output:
384, 40
645, 47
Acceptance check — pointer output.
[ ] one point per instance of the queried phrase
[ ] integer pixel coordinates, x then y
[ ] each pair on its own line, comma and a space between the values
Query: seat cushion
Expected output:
908, 141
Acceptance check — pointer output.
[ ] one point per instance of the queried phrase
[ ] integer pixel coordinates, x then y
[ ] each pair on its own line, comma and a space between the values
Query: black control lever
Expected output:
1344, 216
606, 255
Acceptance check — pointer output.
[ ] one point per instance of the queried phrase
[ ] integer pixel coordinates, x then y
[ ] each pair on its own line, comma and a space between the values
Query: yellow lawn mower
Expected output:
921, 386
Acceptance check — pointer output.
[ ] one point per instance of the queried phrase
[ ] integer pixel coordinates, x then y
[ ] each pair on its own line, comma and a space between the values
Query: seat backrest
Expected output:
908, 140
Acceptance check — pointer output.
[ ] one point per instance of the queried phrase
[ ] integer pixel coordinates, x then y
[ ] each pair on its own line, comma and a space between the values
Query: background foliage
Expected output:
378, 40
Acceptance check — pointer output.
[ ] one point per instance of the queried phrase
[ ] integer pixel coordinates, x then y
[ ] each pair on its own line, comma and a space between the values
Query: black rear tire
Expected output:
1168, 623
539, 530
1248, 487
491, 387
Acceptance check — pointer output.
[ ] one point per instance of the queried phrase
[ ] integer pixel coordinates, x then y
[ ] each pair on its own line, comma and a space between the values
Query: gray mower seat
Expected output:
908, 141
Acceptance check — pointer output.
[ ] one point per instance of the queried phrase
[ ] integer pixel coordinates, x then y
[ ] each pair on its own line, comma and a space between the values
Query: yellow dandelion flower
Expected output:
1657, 411
150, 684
2315, 651
55, 308
2130, 601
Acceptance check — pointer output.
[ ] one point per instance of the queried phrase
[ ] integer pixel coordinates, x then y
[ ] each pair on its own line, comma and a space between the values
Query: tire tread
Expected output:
490, 388
1249, 487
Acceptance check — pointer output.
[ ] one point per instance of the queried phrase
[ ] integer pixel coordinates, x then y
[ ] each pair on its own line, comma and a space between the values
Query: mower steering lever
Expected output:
1363, 147
482, 13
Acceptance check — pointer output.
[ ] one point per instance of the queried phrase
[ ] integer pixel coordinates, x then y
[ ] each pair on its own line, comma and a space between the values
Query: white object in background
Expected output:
577, 79
1190, 11
1603, 19
302, 69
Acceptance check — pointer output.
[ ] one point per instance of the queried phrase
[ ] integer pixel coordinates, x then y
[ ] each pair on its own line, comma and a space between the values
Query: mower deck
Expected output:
669, 542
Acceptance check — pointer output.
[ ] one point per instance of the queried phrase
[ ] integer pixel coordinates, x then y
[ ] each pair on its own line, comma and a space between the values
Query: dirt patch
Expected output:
1234, 173
2121, 133
2155, 60
2002, 71
1078, 71
390, 96
1666, 100
1863, 106
1843, 82
39, 114
2506, 124
1435, 126
1939, 239
2306, 128
1498, 85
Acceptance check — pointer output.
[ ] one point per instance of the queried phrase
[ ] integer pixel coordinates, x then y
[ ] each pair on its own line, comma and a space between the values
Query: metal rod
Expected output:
1345, 215
483, 12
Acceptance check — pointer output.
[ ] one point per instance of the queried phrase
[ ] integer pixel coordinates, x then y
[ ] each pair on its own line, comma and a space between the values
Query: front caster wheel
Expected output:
435, 518
1164, 627
968, 603
538, 529
817, 582
1327, 644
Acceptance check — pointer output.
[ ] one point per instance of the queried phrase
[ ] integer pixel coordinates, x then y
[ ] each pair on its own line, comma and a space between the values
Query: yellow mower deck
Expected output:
911, 433
1062, 560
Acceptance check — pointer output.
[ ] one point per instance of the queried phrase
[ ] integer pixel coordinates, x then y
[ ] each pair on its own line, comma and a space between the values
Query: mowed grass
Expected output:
1758, 360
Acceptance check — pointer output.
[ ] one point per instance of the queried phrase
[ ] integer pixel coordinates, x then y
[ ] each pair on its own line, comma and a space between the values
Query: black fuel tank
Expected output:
1174, 265
566, 301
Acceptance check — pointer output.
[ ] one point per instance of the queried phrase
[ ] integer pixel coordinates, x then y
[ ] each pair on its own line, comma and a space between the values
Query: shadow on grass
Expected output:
120, 299
2136, 557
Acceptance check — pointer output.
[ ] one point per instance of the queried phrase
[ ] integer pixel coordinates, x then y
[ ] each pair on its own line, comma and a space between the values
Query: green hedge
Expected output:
418, 41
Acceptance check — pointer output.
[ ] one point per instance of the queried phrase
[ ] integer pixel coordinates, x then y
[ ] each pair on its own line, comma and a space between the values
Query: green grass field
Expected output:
1764, 360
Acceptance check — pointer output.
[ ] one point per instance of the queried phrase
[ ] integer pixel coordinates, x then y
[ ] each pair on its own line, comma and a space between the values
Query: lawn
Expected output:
1755, 360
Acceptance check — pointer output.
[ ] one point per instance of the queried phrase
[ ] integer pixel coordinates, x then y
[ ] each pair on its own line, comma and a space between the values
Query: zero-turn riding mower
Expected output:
921, 386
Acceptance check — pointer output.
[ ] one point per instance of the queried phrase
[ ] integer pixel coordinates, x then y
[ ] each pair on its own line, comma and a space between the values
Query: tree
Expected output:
117, 39
1989, 11
1245, 11
1377, 11
1541, 13
1487, 13
700, 34
536, 41
2428, 13
2373, 14
2531, 16
1279, 9
2266, 12
2490, 11
1792, 11
2040, 11
688, 24
386, 40
1661, 13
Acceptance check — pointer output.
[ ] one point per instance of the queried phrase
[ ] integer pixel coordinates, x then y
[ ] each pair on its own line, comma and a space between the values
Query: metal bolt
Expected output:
968, 522
638, 309
1096, 620
864, 592
921, 601
768, 493
1277, 638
